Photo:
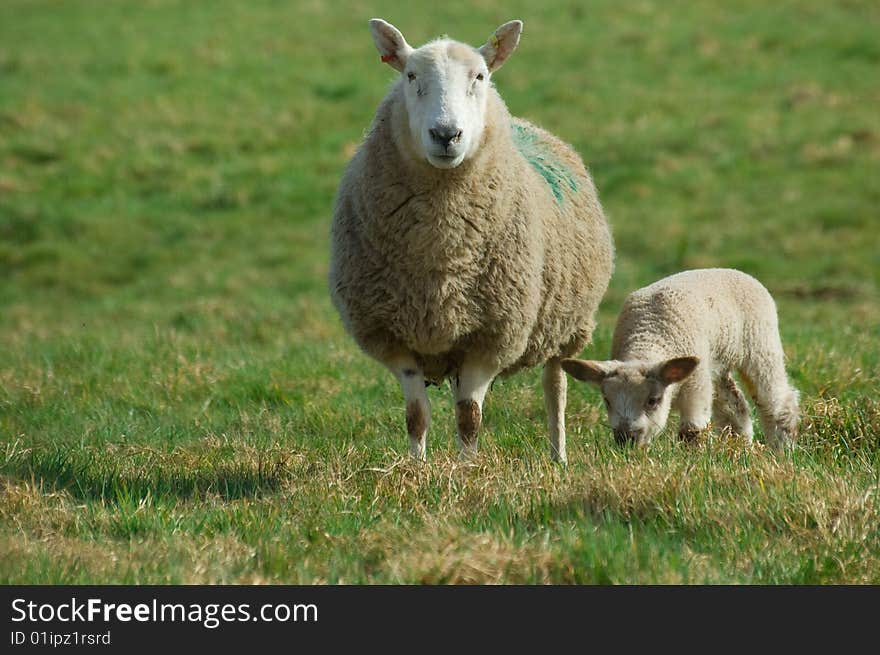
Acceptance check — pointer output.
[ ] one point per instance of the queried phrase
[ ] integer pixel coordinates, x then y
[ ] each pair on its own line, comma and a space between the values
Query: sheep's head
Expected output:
636, 393
445, 84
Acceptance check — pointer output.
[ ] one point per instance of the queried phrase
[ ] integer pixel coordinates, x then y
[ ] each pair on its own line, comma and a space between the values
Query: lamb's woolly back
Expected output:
695, 312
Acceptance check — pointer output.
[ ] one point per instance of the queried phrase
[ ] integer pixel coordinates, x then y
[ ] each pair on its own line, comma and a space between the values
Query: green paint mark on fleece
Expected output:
541, 157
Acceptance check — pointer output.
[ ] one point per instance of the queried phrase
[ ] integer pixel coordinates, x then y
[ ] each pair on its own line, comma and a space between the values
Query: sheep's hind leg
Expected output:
418, 407
554, 382
470, 389
730, 409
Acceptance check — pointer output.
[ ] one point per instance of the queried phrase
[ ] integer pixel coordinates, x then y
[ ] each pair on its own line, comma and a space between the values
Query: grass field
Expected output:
180, 404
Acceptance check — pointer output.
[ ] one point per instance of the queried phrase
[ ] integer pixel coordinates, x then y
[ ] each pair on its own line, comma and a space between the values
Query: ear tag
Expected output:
495, 41
386, 58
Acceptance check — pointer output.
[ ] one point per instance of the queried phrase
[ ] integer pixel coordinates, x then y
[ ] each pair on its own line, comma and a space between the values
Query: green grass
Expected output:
179, 402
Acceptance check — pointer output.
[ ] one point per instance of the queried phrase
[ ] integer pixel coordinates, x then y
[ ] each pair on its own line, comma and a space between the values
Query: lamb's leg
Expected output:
694, 403
730, 409
470, 390
418, 408
777, 403
554, 381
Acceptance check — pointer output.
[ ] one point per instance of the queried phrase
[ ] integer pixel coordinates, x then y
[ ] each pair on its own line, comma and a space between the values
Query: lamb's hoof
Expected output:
781, 445
690, 436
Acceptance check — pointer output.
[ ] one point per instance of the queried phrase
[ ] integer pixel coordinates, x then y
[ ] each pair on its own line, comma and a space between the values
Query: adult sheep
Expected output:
466, 244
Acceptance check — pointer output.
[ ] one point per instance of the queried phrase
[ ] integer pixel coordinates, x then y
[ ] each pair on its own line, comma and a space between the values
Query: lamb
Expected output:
466, 244
678, 340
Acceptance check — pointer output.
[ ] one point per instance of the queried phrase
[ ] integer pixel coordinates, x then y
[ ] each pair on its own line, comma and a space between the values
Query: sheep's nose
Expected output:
445, 135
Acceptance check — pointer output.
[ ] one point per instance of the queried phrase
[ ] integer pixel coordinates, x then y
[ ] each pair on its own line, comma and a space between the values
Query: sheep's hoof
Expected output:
558, 454
469, 417
416, 428
417, 450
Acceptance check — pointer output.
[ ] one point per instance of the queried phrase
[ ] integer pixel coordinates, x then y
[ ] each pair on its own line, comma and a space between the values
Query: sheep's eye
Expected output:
480, 76
411, 76
653, 401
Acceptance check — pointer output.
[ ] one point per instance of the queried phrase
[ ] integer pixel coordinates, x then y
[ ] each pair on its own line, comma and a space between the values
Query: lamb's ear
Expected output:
587, 370
676, 370
502, 44
392, 47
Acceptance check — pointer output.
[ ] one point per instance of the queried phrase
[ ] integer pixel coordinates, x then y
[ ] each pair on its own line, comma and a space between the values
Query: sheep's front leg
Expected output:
470, 389
418, 408
554, 382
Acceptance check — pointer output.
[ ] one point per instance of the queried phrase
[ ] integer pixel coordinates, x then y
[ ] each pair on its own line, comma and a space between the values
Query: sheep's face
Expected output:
636, 394
445, 87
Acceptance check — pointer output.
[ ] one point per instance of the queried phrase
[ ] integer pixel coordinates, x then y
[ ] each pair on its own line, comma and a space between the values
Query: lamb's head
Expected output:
636, 393
445, 86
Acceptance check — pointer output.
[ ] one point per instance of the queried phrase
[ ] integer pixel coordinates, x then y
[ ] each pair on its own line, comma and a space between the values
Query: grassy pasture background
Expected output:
179, 403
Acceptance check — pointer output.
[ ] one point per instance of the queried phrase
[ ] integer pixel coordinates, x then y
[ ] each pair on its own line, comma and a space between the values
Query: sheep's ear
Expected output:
676, 370
392, 47
502, 44
587, 371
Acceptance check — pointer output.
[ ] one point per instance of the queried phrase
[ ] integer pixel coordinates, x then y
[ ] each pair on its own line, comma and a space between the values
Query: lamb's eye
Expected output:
652, 402
410, 76
480, 76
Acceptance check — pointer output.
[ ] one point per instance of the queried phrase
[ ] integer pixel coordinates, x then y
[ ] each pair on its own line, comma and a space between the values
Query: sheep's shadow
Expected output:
86, 475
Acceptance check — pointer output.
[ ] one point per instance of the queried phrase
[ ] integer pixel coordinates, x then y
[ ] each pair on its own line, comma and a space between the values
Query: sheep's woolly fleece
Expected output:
508, 254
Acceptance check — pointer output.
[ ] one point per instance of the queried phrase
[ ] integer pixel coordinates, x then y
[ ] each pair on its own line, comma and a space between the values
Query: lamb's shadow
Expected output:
591, 506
